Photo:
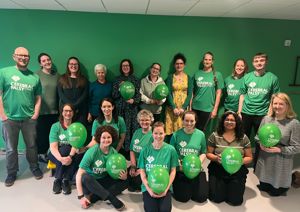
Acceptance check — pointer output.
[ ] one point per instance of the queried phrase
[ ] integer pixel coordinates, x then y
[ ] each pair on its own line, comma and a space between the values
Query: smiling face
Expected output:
189, 122
145, 122
279, 107
73, 66
105, 140
67, 113
239, 68
107, 108
100, 74
126, 68
207, 62
158, 134
229, 122
46, 63
259, 63
21, 57
155, 70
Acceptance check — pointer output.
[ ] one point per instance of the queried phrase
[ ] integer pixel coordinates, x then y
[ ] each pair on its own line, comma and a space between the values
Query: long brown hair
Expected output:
65, 79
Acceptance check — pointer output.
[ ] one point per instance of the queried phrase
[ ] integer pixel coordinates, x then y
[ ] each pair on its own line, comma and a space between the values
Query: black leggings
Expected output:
203, 119
163, 204
185, 189
101, 188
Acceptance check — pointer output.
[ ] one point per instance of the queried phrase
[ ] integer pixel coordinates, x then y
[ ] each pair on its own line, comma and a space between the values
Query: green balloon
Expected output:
232, 160
161, 91
269, 135
191, 166
115, 164
127, 90
158, 179
77, 135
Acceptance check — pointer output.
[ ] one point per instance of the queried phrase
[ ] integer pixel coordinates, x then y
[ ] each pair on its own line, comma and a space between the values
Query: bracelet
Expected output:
80, 196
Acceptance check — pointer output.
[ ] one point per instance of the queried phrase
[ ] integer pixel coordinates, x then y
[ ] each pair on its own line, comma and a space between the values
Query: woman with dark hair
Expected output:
180, 93
233, 84
207, 88
73, 88
128, 109
186, 141
61, 152
49, 105
92, 181
109, 116
148, 86
222, 185
275, 164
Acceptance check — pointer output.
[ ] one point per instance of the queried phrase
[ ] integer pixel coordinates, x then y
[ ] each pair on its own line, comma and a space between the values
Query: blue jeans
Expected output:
10, 131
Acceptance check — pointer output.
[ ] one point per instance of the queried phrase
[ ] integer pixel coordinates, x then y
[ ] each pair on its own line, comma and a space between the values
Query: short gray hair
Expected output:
100, 67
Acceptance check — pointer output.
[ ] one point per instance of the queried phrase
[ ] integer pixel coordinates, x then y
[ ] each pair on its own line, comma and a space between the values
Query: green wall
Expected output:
108, 38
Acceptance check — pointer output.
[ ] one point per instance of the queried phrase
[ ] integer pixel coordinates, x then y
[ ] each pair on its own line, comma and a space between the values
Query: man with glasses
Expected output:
20, 100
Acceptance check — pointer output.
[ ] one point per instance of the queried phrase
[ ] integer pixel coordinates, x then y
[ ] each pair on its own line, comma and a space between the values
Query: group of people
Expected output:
147, 131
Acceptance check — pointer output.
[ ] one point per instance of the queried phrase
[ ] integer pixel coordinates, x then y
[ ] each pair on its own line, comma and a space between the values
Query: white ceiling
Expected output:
270, 9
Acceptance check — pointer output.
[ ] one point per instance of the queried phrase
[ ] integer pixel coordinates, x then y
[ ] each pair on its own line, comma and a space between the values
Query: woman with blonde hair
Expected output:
274, 165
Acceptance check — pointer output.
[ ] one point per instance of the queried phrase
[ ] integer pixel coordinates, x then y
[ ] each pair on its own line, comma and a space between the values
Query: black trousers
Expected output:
62, 171
102, 188
185, 189
203, 119
249, 122
44, 123
134, 183
272, 191
163, 204
226, 187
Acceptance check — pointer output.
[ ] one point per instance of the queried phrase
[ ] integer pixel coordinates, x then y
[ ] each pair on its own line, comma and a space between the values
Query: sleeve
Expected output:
220, 81
141, 164
246, 142
212, 140
203, 144
53, 135
173, 140
276, 87
122, 125
144, 98
86, 160
170, 96
95, 126
137, 95
38, 90
189, 94
294, 144
174, 158
115, 89
243, 89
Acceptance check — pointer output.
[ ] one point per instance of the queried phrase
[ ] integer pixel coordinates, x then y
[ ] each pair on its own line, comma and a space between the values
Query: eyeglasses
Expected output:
230, 121
73, 64
125, 65
22, 55
158, 69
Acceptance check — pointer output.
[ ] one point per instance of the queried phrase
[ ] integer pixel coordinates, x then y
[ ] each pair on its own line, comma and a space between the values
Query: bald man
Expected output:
20, 100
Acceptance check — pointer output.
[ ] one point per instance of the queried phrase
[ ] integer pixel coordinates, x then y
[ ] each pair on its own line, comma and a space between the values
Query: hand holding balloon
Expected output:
269, 135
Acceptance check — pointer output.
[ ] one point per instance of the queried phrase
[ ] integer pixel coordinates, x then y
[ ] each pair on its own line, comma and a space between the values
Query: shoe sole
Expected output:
38, 177
9, 184
122, 208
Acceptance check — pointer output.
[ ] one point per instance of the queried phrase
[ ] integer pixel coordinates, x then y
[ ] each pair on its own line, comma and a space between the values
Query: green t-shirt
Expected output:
120, 126
258, 91
186, 144
165, 157
58, 134
232, 93
139, 141
19, 90
219, 143
94, 161
205, 90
